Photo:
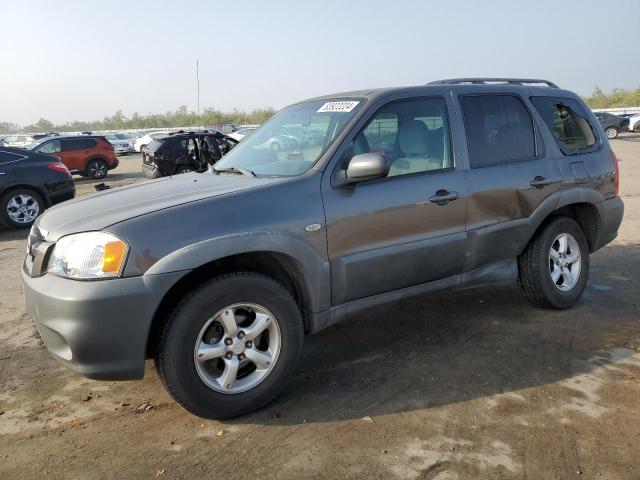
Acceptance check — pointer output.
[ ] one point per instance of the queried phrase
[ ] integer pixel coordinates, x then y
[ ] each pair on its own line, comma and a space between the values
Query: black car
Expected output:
184, 152
29, 183
612, 124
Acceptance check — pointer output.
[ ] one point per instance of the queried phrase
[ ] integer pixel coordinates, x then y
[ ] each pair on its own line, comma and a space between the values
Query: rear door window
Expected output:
77, 144
499, 129
568, 122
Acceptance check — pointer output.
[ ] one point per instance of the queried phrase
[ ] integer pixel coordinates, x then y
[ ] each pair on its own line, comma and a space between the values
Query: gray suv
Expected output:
403, 191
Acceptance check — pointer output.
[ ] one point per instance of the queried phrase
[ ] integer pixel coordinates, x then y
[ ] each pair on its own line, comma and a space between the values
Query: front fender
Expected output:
314, 268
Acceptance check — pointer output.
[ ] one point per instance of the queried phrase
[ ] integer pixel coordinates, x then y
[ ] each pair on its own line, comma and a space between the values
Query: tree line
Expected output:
182, 117
618, 98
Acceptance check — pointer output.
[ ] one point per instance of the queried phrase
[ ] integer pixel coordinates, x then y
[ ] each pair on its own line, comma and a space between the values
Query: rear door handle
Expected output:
442, 197
540, 182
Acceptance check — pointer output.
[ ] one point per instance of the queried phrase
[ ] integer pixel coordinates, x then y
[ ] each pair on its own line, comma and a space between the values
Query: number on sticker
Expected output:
344, 106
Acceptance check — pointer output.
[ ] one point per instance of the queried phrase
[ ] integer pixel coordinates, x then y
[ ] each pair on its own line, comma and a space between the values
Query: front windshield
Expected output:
293, 140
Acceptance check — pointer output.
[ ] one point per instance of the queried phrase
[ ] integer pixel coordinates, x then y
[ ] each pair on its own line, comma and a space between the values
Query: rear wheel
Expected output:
229, 345
21, 207
554, 268
611, 132
97, 168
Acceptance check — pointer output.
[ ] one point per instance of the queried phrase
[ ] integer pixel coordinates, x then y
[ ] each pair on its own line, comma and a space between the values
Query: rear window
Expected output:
499, 129
154, 145
568, 122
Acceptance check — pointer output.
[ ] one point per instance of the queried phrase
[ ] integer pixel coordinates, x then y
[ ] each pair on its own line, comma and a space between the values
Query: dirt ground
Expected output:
473, 384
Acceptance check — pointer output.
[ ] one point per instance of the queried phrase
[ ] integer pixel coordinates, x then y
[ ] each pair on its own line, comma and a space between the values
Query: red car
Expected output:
90, 156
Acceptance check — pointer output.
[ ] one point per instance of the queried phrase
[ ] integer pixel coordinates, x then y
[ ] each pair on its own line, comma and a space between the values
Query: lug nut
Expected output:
228, 341
228, 355
240, 334
249, 344
241, 357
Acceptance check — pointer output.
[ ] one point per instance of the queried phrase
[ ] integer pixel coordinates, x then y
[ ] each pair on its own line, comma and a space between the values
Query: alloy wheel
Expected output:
565, 262
23, 208
237, 348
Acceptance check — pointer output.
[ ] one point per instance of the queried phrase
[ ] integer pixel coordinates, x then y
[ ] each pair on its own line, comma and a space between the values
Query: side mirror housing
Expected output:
365, 166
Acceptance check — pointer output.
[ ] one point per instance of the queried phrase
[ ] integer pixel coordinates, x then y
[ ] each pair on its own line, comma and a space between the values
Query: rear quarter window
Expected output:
567, 121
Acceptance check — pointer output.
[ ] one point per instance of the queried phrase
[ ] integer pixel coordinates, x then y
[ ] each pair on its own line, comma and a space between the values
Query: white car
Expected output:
130, 137
243, 132
634, 121
18, 141
146, 140
122, 147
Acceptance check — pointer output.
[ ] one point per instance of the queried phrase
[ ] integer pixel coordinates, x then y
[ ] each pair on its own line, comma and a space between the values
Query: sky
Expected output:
82, 60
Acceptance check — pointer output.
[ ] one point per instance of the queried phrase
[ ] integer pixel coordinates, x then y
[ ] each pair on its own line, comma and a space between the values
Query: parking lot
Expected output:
466, 384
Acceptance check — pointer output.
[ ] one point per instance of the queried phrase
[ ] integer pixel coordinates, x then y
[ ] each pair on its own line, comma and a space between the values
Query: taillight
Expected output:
616, 173
58, 167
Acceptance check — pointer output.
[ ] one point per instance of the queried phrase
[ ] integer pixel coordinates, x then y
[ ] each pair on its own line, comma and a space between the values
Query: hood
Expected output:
100, 210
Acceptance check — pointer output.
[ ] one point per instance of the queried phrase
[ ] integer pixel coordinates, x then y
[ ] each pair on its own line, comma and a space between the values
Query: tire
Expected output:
537, 266
97, 168
187, 378
274, 147
611, 132
19, 208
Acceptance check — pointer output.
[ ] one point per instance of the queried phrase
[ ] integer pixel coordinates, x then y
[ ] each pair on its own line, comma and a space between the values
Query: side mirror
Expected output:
365, 166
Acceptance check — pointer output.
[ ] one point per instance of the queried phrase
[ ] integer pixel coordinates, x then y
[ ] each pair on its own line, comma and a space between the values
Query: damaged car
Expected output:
184, 152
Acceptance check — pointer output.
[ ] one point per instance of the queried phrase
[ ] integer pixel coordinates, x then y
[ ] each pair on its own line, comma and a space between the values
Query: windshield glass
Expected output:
292, 140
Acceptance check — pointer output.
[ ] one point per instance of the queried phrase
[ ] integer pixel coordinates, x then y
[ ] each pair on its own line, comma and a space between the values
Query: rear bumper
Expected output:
98, 329
63, 196
610, 212
151, 171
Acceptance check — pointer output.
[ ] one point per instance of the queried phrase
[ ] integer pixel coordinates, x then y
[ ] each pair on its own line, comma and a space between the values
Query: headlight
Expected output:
88, 256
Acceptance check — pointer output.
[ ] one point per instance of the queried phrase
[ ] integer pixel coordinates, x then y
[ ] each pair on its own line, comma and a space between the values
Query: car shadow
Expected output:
456, 346
8, 234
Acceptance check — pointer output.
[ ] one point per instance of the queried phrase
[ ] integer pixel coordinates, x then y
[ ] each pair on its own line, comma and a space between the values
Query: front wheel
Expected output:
611, 133
229, 345
554, 268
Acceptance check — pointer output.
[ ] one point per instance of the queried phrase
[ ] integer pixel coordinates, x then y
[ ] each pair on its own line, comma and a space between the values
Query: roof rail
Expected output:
489, 81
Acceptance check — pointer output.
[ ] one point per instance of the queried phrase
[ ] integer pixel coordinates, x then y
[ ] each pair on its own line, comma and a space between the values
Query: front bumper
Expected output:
96, 328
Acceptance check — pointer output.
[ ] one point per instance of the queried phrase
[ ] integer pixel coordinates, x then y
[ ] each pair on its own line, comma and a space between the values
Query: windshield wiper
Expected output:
242, 171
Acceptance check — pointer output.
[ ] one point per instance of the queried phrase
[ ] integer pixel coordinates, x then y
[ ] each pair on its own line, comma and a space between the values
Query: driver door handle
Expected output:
540, 182
442, 197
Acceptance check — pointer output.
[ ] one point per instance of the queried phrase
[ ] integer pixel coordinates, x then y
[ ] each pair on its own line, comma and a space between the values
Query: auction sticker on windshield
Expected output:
344, 106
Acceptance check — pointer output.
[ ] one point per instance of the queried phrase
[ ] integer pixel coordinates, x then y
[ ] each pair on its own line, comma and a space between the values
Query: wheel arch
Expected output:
39, 190
281, 267
584, 213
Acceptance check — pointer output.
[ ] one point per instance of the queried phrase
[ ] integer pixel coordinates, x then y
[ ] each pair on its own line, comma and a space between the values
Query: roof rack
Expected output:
489, 81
